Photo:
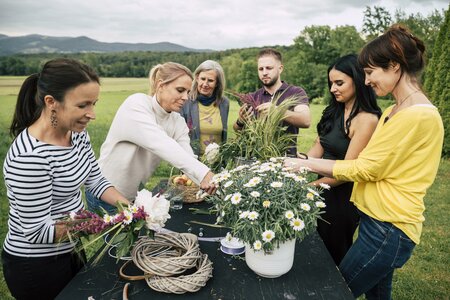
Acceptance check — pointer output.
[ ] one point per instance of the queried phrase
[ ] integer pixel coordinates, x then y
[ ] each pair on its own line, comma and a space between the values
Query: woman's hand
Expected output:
206, 184
294, 163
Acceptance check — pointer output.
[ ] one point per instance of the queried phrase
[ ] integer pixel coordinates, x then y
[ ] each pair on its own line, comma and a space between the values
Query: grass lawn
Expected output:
425, 276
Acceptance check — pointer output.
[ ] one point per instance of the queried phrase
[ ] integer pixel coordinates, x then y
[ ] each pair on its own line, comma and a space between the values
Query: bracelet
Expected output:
239, 123
302, 155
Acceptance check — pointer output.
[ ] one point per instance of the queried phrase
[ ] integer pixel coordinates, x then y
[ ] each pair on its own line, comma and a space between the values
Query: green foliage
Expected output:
248, 80
376, 21
318, 47
437, 82
261, 138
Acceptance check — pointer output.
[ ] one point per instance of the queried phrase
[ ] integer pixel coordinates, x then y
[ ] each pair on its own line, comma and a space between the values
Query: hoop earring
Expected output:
53, 119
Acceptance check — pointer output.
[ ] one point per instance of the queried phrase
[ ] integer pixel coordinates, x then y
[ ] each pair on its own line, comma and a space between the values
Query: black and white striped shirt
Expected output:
43, 184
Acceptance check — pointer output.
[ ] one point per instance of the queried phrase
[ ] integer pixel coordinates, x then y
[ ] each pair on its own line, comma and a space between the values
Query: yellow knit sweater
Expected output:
396, 168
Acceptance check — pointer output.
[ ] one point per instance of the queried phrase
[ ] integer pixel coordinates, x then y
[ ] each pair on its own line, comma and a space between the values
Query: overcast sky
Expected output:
200, 24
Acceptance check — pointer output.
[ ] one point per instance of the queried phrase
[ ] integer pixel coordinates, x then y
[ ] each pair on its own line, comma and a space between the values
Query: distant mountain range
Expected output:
35, 43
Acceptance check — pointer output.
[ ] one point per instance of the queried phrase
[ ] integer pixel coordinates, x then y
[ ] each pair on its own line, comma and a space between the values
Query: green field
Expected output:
425, 276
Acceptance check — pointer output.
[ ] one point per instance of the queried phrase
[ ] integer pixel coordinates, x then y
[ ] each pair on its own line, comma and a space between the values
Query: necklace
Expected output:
398, 105
404, 99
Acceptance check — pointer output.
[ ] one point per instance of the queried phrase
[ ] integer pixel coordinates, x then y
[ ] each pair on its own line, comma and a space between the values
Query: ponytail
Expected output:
57, 76
28, 106
153, 79
167, 73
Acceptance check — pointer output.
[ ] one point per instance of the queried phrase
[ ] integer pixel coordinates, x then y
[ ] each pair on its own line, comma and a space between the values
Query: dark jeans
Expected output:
95, 204
369, 265
40, 277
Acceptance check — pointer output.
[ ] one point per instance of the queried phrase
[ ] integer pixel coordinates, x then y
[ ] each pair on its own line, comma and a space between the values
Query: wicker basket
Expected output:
189, 192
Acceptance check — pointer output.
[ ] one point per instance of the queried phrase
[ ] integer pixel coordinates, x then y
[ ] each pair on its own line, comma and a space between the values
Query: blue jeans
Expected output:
95, 204
369, 264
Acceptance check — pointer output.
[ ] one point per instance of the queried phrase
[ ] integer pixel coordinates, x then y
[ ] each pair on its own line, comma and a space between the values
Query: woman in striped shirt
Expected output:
44, 169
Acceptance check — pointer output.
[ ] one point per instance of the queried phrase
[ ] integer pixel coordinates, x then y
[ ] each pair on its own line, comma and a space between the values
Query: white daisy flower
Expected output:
255, 194
299, 178
253, 215
324, 186
249, 185
297, 224
236, 198
320, 204
310, 196
289, 214
107, 218
133, 208
268, 235
244, 214
228, 183
255, 180
305, 207
313, 191
257, 245
276, 184
289, 175
266, 203
128, 217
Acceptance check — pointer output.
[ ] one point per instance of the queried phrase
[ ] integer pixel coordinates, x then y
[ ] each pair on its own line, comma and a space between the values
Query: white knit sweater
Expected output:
141, 135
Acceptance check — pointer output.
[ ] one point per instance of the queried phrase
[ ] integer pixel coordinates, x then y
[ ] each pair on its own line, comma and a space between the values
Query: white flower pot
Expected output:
274, 264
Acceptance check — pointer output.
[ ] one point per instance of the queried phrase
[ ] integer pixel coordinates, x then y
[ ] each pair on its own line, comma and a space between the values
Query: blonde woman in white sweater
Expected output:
147, 129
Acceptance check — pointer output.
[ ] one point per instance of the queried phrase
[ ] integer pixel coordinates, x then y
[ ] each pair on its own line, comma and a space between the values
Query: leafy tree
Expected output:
231, 65
376, 21
248, 76
437, 83
317, 48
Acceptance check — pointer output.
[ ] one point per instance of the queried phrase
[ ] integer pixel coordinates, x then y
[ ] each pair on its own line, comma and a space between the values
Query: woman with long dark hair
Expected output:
45, 167
345, 128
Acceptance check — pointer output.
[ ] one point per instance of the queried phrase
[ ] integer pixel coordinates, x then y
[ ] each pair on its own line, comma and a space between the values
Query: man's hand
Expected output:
245, 113
263, 109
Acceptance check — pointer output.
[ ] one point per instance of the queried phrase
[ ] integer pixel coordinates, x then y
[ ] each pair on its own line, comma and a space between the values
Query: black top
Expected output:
335, 143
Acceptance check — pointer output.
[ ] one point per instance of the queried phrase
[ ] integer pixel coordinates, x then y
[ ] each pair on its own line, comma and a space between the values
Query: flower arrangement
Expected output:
147, 215
265, 204
261, 138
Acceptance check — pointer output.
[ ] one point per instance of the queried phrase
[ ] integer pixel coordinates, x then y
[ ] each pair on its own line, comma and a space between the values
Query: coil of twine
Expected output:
166, 256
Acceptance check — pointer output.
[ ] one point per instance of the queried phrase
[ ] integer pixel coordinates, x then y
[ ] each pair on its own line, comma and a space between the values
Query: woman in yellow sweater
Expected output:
395, 169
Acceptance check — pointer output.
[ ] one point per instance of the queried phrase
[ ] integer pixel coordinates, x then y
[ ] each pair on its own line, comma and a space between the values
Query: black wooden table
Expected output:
313, 276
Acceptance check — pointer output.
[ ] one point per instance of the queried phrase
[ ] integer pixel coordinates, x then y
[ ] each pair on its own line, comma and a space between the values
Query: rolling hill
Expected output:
35, 43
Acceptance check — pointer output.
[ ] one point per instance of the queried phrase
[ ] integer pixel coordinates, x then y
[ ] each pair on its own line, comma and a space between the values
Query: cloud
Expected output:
195, 23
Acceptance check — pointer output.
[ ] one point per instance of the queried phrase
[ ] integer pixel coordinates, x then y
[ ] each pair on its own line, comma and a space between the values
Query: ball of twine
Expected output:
166, 254
184, 283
